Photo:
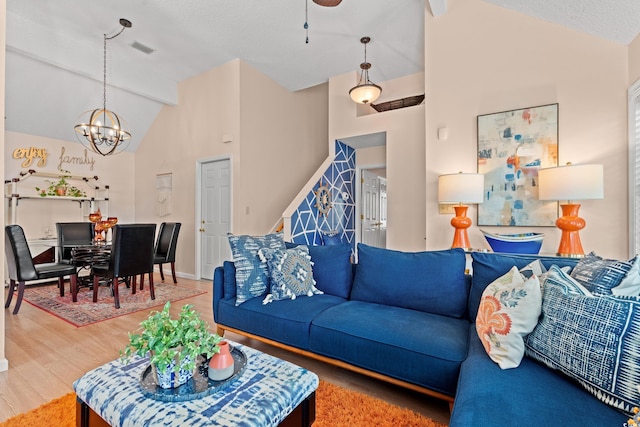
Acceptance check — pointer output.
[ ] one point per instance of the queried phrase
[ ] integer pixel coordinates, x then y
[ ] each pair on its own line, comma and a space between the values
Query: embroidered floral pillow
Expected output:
509, 310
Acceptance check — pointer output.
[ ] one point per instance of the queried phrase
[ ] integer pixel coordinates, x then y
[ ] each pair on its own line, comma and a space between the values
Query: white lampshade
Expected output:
365, 93
461, 188
571, 182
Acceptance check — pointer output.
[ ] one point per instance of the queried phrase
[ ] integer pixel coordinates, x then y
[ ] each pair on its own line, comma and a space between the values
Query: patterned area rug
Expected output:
85, 312
335, 407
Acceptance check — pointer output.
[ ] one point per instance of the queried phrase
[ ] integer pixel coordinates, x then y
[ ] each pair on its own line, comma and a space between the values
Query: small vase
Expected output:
169, 379
221, 364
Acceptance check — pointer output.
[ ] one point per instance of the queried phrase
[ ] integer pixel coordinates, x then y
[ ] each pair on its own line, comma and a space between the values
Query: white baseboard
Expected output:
178, 273
4, 365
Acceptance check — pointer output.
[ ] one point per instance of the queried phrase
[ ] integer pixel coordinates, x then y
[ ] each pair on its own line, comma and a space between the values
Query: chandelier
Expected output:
365, 91
101, 130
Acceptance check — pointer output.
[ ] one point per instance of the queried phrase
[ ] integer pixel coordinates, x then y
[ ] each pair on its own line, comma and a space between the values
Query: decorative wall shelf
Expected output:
16, 190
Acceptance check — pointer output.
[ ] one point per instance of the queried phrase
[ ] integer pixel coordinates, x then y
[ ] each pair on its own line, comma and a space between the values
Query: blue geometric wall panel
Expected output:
308, 224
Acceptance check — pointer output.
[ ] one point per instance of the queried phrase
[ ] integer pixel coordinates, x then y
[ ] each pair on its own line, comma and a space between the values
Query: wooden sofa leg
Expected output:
219, 331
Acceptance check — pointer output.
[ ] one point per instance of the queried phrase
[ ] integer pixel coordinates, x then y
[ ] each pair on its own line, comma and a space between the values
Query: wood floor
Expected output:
47, 354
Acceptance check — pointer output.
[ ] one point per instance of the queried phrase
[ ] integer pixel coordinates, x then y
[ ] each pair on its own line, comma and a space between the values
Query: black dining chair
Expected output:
131, 255
22, 269
71, 234
165, 250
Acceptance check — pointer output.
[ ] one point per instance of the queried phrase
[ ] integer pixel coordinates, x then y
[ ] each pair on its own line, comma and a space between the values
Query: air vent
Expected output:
142, 48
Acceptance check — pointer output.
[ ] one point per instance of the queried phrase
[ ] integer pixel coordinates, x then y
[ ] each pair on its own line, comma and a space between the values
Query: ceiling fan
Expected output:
328, 3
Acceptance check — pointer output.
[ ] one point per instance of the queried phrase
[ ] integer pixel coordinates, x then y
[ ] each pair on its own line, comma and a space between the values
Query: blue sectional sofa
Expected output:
408, 318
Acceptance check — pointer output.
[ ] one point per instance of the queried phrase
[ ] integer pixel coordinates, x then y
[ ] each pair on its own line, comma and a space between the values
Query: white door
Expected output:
215, 186
374, 210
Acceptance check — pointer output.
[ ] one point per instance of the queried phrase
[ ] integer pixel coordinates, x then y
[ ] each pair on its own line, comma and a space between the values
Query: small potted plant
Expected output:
173, 344
61, 187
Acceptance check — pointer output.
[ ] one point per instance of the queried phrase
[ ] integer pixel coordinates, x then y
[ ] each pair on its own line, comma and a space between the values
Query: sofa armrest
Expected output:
218, 290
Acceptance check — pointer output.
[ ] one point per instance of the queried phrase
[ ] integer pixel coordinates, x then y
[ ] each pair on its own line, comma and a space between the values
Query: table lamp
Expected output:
571, 182
461, 188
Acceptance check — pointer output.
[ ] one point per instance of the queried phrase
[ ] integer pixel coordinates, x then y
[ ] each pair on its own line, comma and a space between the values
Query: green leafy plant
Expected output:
169, 339
61, 187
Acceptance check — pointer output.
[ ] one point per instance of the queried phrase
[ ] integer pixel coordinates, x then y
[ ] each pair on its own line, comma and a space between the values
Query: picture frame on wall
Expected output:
512, 147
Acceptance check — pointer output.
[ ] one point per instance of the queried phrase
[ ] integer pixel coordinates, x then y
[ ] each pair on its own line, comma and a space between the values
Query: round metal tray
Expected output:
198, 386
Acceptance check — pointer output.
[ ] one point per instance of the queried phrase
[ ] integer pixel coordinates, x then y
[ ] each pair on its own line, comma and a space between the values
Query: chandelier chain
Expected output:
104, 85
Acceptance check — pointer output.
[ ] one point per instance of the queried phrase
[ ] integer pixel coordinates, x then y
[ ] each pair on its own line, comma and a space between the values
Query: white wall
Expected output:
4, 363
405, 151
278, 138
34, 215
480, 59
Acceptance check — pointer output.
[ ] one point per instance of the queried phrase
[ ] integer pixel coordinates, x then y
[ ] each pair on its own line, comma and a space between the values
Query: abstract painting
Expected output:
512, 147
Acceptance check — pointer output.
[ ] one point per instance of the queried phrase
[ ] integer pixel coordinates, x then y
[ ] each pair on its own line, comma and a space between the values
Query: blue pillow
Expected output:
332, 268
290, 273
229, 280
432, 282
488, 266
331, 238
252, 276
600, 275
593, 339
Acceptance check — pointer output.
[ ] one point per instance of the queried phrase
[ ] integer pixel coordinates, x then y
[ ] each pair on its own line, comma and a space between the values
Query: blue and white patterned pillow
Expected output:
601, 275
593, 339
290, 272
252, 276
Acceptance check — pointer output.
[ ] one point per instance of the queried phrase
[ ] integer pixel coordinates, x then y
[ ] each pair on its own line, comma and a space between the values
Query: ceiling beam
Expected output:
438, 7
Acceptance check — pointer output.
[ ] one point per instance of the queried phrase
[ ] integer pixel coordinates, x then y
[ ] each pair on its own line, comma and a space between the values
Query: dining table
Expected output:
85, 254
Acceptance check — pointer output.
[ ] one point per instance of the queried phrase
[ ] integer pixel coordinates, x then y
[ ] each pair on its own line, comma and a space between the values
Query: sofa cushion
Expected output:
252, 276
593, 339
432, 282
289, 273
395, 341
332, 268
531, 395
488, 266
509, 310
229, 280
601, 275
286, 321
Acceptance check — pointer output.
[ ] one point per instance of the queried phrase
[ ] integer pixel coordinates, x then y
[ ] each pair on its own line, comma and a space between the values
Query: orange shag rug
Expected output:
335, 407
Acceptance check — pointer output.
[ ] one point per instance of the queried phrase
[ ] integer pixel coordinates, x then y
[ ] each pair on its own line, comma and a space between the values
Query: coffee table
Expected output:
270, 392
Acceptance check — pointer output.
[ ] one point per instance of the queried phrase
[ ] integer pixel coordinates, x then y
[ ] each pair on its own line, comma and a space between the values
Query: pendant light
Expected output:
365, 91
101, 130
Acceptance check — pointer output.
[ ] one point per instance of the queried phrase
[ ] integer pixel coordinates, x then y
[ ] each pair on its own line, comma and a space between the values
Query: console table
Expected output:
270, 392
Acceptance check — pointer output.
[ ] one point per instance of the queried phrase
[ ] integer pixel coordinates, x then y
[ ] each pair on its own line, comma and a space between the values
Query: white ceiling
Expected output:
54, 48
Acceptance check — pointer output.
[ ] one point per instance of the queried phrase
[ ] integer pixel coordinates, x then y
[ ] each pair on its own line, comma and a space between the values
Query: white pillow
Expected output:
509, 310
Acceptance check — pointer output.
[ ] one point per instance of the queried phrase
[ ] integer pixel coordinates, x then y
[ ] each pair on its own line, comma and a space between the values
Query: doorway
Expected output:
215, 215
373, 193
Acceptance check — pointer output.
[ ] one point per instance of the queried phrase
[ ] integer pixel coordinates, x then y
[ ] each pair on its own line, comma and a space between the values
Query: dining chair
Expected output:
71, 233
131, 255
21, 268
165, 249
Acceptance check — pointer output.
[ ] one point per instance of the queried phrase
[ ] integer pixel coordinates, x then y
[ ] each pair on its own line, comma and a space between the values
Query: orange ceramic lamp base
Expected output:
461, 222
570, 224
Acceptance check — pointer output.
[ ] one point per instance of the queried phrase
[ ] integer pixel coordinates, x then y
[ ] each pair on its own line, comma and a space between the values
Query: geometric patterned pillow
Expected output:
593, 339
600, 275
290, 273
252, 276
509, 310
630, 285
